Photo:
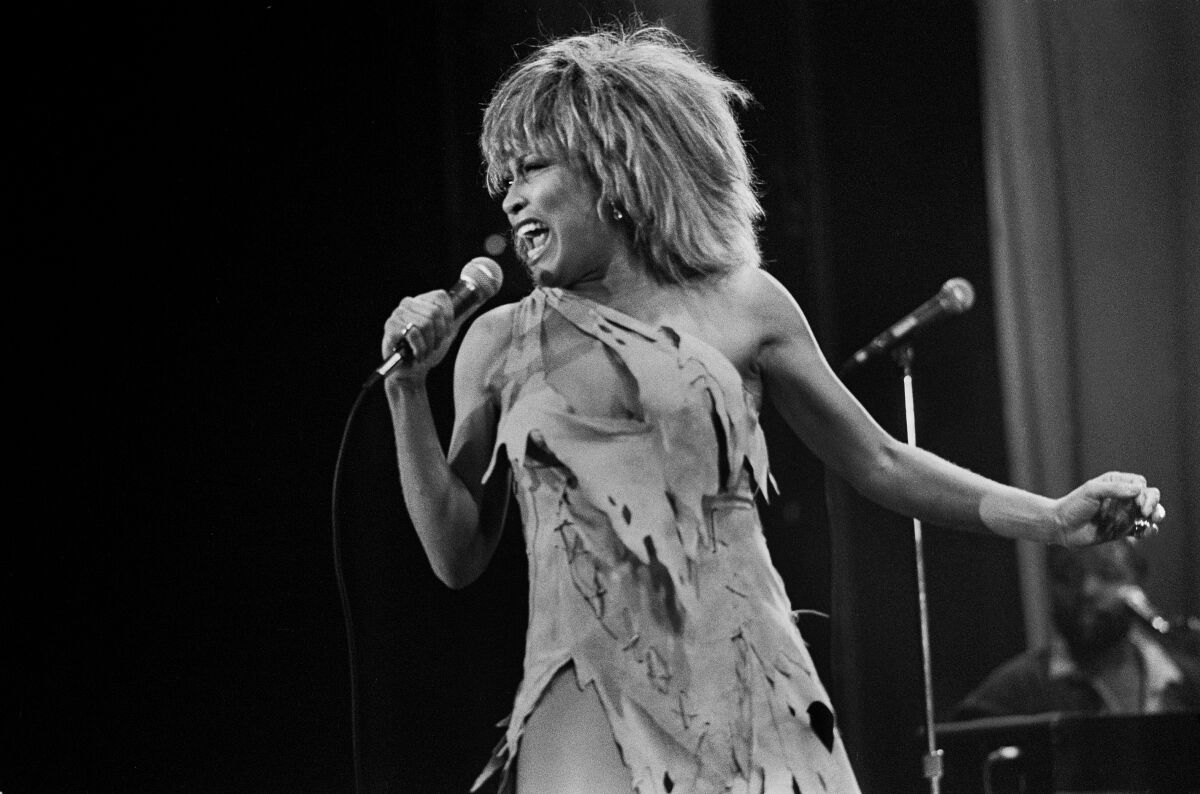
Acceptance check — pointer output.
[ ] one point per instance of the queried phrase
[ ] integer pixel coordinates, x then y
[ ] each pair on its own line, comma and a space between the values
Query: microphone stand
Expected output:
931, 762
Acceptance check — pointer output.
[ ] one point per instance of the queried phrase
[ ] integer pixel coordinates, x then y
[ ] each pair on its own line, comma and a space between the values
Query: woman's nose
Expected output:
513, 201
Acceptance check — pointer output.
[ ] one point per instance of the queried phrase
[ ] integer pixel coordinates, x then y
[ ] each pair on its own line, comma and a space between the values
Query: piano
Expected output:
1059, 752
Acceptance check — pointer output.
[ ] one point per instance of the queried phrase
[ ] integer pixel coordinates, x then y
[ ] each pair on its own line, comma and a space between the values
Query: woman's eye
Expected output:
523, 170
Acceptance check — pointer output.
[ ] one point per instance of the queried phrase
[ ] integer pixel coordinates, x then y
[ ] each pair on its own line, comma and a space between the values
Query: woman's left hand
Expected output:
1078, 514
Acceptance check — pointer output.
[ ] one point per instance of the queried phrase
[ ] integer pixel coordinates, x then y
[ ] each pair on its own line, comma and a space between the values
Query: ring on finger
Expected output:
407, 327
1142, 527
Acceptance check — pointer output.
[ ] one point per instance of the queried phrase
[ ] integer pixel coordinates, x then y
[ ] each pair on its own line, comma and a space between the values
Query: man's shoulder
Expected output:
1031, 662
1016, 686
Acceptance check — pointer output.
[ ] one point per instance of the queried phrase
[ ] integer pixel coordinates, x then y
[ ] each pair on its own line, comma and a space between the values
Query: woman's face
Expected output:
558, 232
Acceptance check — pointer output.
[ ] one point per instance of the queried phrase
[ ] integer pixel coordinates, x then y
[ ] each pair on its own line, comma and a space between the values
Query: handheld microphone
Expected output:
955, 297
478, 283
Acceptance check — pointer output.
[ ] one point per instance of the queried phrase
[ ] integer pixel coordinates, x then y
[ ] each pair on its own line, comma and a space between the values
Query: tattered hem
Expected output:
504, 756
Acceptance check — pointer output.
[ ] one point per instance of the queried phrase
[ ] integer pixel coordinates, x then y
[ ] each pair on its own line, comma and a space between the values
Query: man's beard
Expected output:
1090, 631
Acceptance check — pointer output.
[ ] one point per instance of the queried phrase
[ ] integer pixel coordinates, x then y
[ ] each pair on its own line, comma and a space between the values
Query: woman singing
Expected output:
619, 401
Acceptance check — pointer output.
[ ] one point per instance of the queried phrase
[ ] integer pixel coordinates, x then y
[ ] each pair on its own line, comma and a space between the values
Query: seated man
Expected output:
1103, 661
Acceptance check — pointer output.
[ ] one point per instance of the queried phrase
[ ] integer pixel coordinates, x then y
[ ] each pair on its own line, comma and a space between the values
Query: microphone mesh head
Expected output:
958, 295
485, 274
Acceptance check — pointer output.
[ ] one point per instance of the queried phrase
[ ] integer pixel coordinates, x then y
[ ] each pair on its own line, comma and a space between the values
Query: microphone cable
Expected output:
1005, 753
478, 282
344, 594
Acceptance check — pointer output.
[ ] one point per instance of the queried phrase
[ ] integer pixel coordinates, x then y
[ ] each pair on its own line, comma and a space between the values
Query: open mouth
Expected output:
532, 237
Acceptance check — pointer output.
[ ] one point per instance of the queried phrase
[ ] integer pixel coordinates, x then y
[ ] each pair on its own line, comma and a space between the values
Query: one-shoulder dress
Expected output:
648, 569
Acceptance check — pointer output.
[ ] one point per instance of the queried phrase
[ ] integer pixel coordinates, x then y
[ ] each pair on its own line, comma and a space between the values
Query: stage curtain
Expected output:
1092, 138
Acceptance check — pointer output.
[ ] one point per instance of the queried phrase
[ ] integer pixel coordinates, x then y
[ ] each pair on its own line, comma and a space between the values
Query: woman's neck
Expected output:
626, 286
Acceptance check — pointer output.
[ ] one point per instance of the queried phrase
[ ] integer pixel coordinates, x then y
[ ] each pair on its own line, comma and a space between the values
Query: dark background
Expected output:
215, 209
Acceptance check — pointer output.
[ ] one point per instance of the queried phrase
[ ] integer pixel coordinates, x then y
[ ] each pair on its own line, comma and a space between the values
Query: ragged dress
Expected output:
648, 569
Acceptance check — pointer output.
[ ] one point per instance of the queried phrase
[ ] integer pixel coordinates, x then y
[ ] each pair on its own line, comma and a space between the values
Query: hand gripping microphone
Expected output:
955, 297
478, 283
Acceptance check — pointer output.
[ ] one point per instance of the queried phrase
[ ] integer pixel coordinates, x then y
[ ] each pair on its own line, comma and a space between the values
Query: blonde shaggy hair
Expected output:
654, 126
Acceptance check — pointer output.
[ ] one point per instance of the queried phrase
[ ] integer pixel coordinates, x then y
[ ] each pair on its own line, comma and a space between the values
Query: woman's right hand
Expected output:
426, 323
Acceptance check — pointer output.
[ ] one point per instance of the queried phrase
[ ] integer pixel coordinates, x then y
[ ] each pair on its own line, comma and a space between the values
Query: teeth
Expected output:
530, 229
534, 235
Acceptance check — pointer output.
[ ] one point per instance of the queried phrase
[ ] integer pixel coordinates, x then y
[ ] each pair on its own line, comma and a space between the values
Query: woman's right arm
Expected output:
457, 518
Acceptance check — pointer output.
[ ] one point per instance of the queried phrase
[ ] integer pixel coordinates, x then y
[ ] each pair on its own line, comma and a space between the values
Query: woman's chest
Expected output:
612, 371
737, 339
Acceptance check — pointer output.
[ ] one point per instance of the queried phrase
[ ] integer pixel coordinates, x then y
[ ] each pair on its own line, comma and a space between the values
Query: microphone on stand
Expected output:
1136, 601
478, 283
955, 297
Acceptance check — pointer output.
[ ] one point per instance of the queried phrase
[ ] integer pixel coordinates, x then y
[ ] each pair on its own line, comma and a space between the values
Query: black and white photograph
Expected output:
604, 397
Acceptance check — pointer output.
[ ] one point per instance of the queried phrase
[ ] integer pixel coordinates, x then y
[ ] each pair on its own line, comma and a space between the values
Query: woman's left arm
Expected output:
904, 478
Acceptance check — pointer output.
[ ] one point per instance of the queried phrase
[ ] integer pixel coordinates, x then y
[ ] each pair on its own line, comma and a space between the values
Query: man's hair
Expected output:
654, 126
1063, 562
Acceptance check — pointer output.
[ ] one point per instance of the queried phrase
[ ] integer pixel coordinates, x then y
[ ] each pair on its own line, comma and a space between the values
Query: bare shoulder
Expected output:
487, 338
759, 297
492, 329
